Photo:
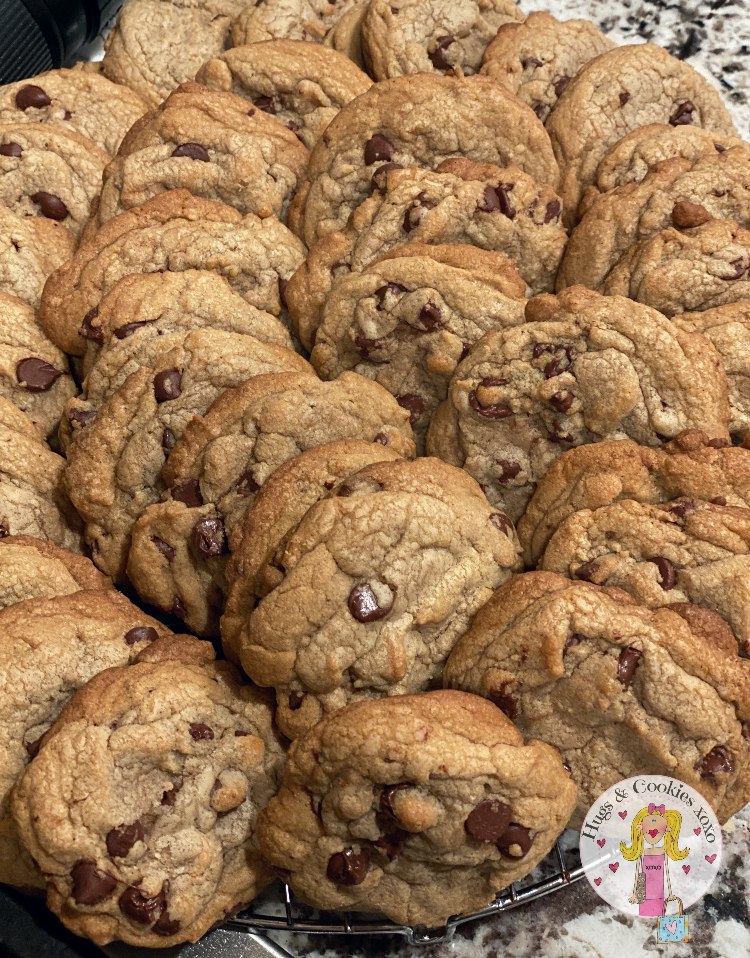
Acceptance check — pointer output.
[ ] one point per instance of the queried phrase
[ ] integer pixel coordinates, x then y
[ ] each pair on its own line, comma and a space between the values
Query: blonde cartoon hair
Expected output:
671, 836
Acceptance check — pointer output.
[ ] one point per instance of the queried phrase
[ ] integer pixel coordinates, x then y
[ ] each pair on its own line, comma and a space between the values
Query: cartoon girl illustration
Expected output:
650, 826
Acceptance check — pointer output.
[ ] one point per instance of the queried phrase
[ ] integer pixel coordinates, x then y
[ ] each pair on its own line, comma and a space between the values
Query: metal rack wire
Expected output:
294, 920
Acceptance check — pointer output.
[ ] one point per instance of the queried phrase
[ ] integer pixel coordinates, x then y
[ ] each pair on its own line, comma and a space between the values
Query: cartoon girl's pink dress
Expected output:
653, 869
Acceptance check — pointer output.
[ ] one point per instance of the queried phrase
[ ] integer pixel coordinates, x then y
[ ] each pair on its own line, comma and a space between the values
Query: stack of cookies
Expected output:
393, 363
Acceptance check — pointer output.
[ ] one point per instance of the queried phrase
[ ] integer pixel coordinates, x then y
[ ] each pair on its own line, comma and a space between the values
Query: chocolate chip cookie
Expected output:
461, 202
618, 91
179, 547
406, 320
419, 807
676, 192
166, 765
419, 121
34, 373
728, 328
32, 497
685, 551
537, 59
421, 36
304, 85
49, 648
174, 231
276, 511
137, 55
582, 368
691, 466
208, 142
30, 249
379, 581
50, 172
37, 569
678, 271
288, 20
620, 689
76, 100
114, 462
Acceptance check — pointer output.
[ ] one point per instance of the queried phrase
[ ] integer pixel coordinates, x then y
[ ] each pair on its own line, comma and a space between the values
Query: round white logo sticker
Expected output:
651, 846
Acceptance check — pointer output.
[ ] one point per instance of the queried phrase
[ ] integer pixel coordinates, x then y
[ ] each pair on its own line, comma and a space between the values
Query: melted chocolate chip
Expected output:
165, 926
366, 346
561, 400
681, 507
208, 537
627, 663
246, 485
719, 759
382, 439
378, 147
266, 104
430, 317
415, 213
560, 85
364, 606
140, 908
122, 332
90, 885
586, 572
50, 205
295, 701
719, 443
414, 404
386, 799
437, 56
683, 115
739, 267
558, 365
36, 375
392, 843
624, 97
667, 576
169, 797
718, 501
167, 441
121, 839
164, 547
508, 471
167, 385
88, 331
348, 867
531, 62
32, 748
189, 493
492, 410
489, 821
516, 841
500, 521
490, 202
503, 191
501, 697
193, 151
201, 732
32, 96
390, 289
283, 283
552, 211
141, 633
82, 417
572, 640
379, 179
11, 149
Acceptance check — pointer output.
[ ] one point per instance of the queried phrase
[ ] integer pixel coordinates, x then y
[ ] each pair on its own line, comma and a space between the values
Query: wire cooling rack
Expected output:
556, 874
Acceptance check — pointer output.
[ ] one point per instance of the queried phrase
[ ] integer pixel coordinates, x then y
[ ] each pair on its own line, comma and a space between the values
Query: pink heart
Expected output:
686, 868
613, 868
597, 882
653, 832
671, 926
623, 815
696, 831
711, 858
601, 842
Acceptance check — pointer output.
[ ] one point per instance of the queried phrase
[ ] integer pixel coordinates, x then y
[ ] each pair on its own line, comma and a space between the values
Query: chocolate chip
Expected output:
719, 443
348, 867
624, 97
572, 640
177, 609
719, 759
378, 147
89, 331
491, 410
193, 151
32, 748
430, 316
718, 501
90, 885
627, 663
560, 84
189, 493
50, 205
121, 839
556, 434
165, 926
36, 375
167, 385
164, 547
739, 267
379, 179
500, 521
4, 529
681, 507
386, 799
489, 820
366, 346
541, 109
266, 103
720, 148
508, 471
687, 215
516, 841
167, 441
560, 364
667, 575
390, 289
392, 843
561, 400
552, 211
415, 405
490, 202
246, 485
683, 115
501, 697
531, 62
382, 439
503, 191
364, 605
437, 56
140, 908
283, 283
169, 796
11, 149
295, 701
586, 572
415, 213
201, 732
141, 633
32, 96
208, 537
122, 332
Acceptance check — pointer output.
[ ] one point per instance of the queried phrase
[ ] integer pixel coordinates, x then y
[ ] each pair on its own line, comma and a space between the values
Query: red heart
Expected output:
696, 831
686, 868
623, 815
711, 858
653, 832
613, 868
597, 882
601, 842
